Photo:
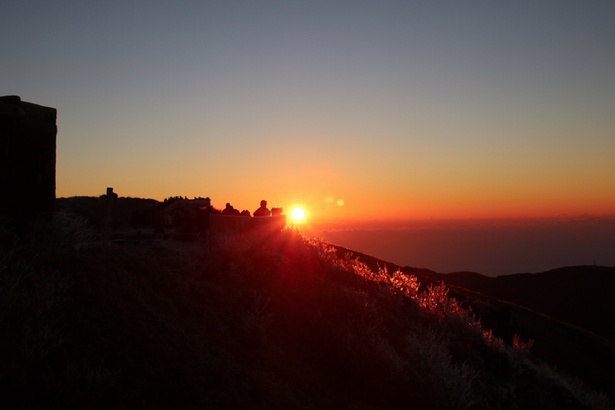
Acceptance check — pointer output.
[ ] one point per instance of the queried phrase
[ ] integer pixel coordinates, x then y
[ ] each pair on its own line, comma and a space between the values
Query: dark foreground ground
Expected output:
260, 321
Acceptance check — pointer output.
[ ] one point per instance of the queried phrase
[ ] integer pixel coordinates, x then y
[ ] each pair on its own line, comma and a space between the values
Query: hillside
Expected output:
251, 321
579, 295
557, 338
567, 347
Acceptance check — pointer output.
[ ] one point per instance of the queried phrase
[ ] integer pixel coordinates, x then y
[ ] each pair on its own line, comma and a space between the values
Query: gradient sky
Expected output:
400, 109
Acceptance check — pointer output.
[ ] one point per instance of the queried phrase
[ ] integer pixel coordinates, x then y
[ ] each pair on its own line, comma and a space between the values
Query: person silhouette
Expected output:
262, 211
229, 210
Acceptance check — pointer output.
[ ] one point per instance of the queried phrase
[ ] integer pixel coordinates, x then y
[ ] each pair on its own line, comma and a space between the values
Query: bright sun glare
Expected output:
297, 214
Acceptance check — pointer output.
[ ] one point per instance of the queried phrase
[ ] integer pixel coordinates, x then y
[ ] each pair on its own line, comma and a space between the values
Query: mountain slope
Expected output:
580, 295
250, 321
569, 347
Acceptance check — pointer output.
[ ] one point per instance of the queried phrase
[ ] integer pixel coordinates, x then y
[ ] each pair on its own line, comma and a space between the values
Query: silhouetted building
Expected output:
27, 159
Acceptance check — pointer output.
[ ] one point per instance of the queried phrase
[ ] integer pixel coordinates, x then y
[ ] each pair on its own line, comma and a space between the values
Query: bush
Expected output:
444, 384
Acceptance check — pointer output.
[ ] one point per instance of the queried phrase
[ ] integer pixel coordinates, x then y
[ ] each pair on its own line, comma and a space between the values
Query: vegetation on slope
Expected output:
580, 295
563, 340
251, 321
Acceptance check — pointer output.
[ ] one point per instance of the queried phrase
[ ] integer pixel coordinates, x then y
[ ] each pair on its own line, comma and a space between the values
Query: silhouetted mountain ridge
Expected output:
579, 295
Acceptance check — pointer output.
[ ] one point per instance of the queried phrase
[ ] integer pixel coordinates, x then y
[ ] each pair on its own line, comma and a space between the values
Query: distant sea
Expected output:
489, 247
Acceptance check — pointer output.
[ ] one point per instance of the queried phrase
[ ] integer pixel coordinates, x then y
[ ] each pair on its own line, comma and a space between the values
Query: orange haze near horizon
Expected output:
356, 201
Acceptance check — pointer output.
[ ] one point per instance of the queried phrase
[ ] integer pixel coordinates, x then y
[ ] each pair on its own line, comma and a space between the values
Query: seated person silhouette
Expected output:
229, 210
262, 211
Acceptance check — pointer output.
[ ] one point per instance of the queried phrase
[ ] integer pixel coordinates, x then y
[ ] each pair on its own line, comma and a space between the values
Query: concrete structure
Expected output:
27, 159
220, 225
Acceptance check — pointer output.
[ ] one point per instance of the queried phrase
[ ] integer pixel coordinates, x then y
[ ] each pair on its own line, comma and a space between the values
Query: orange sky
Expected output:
402, 110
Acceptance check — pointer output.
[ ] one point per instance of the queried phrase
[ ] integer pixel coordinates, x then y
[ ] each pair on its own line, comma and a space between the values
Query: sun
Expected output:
297, 214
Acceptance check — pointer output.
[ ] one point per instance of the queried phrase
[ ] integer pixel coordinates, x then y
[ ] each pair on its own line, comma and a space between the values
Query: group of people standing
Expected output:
261, 211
